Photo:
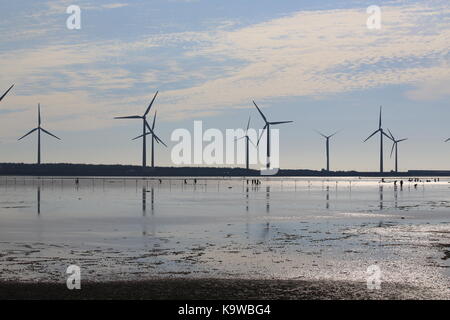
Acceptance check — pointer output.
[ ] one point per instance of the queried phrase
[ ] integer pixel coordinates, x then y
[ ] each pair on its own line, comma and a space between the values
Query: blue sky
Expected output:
312, 62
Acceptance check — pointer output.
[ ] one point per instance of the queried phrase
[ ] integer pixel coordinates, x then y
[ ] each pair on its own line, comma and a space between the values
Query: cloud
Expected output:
325, 52
114, 5
305, 54
432, 90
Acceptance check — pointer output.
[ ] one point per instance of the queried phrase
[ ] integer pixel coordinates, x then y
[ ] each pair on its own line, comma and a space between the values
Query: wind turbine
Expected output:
267, 126
154, 137
395, 145
144, 133
39, 129
247, 140
1, 98
328, 146
382, 133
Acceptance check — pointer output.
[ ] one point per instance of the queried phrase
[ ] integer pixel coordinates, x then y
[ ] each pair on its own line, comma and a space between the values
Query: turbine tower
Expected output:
39, 129
1, 98
154, 137
395, 146
267, 126
247, 140
327, 143
145, 126
382, 133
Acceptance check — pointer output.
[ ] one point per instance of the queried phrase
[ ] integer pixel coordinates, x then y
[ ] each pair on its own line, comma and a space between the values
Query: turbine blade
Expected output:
447, 140
334, 134
280, 122
401, 140
392, 150
51, 134
237, 139
379, 125
31, 131
154, 119
372, 135
260, 112
39, 114
248, 124
147, 133
384, 133
260, 136
392, 136
1, 98
251, 142
158, 140
129, 117
150, 105
321, 133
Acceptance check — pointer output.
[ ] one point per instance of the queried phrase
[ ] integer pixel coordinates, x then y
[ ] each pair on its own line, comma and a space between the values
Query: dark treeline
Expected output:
67, 169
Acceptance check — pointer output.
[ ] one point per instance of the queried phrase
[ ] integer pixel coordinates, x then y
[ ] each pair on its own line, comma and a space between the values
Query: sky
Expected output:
314, 62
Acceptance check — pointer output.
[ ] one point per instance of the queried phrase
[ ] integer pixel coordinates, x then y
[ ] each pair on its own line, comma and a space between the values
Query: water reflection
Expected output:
39, 199
144, 200
267, 226
381, 197
144, 210
395, 197
327, 197
246, 199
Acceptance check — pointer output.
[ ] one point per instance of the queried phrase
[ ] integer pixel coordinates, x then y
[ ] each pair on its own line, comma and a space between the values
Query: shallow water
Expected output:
128, 228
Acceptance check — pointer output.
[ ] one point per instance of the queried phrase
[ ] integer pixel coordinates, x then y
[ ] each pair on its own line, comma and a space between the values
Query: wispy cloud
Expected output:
309, 53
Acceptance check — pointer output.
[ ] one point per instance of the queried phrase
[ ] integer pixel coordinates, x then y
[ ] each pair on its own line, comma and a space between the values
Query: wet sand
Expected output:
213, 289
220, 239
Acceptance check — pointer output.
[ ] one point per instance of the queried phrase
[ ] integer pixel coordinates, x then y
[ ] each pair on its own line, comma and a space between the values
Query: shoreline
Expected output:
103, 170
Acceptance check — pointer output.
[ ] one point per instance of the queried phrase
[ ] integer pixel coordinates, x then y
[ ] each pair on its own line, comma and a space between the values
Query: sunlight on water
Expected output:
288, 228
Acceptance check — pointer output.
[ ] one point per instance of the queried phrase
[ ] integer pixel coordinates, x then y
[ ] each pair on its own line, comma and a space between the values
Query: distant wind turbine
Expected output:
267, 126
247, 140
395, 146
382, 133
1, 98
153, 140
327, 146
39, 129
144, 133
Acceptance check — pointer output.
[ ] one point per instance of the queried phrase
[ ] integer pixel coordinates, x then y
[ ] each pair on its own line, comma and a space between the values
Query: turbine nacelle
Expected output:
267, 123
39, 129
325, 136
158, 140
394, 141
144, 127
246, 136
382, 133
